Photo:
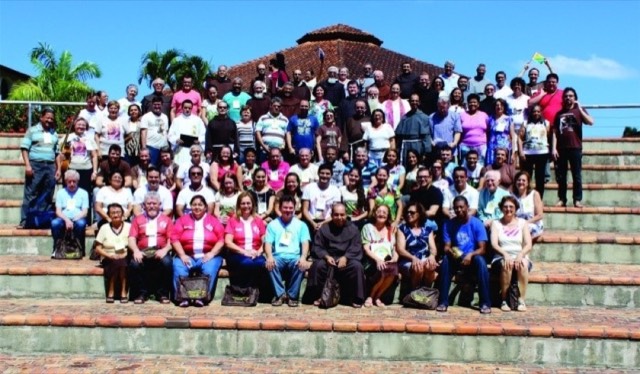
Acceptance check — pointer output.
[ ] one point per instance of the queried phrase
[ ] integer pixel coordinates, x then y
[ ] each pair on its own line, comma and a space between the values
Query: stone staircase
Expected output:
583, 297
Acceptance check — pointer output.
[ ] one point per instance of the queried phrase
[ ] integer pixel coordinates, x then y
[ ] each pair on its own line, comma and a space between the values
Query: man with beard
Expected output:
222, 81
260, 101
290, 103
331, 159
408, 81
414, 130
300, 89
147, 101
463, 85
355, 126
221, 131
384, 90
236, 99
534, 87
479, 82
367, 79
301, 130
347, 109
333, 90
139, 171
271, 129
428, 96
449, 77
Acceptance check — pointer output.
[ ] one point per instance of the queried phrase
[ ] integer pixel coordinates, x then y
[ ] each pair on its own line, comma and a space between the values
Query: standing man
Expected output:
286, 247
186, 130
449, 77
260, 101
221, 131
261, 70
154, 129
300, 89
367, 79
39, 149
428, 96
407, 80
446, 127
355, 126
347, 109
384, 90
301, 130
502, 88
479, 82
147, 101
186, 94
414, 130
333, 90
271, 129
222, 81
318, 197
290, 103
235, 99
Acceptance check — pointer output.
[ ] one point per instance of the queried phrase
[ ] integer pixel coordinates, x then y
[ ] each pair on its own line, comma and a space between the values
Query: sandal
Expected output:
164, 300
379, 303
110, 300
368, 302
316, 302
184, 304
124, 300
198, 303
442, 308
522, 307
139, 300
356, 305
505, 307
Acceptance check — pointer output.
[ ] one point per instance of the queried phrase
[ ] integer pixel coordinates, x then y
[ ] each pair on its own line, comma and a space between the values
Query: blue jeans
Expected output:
42, 181
154, 156
574, 158
209, 268
58, 229
288, 266
450, 266
244, 271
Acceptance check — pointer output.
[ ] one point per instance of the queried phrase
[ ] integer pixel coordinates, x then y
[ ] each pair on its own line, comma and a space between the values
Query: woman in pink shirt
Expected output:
474, 129
243, 239
223, 165
197, 240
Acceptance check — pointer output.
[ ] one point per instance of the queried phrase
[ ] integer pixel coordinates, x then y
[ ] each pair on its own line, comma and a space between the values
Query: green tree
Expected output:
57, 79
160, 65
171, 65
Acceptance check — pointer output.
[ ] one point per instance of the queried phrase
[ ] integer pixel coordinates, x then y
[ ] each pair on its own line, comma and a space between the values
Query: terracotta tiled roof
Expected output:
344, 46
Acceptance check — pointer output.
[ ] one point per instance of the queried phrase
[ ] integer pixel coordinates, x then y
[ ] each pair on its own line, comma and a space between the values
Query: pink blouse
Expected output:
247, 235
474, 128
163, 228
197, 237
275, 178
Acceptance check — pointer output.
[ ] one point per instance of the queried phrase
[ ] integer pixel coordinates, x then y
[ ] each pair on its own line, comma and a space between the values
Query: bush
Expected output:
631, 132
15, 117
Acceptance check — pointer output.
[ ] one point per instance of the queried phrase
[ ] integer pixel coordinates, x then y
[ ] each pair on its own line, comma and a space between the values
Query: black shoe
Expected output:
277, 301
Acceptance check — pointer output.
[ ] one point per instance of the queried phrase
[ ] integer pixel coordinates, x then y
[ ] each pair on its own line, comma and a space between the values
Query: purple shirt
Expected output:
474, 128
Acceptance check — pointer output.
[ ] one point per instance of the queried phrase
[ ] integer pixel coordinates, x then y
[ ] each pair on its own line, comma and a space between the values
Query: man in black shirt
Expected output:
429, 196
147, 101
408, 81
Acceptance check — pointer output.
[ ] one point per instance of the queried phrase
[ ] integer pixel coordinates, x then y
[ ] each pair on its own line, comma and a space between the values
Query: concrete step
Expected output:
601, 219
145, 363
597, 194
10, 139
611, 157
10, 152
608, 144
587, 247
606, 174
551, 283
569, 337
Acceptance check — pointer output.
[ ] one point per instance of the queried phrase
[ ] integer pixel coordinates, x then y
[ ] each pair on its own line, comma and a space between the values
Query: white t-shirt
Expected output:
503, 93
450, 83
517, 110
183, 172
308, 175
186, 194
157, 129
320, 201
471, 194
110, 132
91, 118
166, 200
108, 196
124, 106
81, 148
379, 139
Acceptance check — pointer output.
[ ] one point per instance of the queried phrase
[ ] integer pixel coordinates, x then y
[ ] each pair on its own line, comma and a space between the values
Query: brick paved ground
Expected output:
566, 322
543, 272
148, 364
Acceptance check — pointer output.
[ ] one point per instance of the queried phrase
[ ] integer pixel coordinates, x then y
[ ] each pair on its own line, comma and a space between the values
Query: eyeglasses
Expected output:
411, 212
196, 174
423, 177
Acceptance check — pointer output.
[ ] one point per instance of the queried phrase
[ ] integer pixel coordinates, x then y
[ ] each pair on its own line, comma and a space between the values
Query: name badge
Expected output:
47, 138
151, 228
132, 127
120, 247
236, 104
262, 207
273, 175
285, 239
71, 204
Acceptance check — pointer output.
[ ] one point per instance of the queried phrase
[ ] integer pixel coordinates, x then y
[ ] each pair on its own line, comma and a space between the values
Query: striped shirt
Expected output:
245, 135
42, 145
273, 129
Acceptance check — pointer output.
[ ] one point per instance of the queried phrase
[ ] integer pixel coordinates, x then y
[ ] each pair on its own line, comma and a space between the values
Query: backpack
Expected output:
38, 218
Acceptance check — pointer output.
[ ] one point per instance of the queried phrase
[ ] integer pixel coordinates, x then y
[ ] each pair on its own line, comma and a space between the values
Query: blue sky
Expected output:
591, 44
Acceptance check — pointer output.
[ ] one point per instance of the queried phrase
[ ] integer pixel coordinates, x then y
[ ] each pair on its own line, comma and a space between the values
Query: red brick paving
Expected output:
565, 322
56, 363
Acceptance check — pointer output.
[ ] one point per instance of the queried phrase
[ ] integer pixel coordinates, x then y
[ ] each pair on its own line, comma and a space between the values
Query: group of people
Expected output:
407, 168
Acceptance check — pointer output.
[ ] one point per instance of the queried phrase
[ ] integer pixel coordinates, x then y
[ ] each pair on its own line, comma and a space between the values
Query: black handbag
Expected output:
193, 288
240, 296
513, 294
422, 298
330, 296
67, 248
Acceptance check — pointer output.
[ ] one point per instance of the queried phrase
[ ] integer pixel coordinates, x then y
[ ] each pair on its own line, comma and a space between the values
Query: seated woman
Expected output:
227, 198
263, 196
396, 171
111, 245
291, 188
417, 247
383, 194
72, 205
511, 241
149, 243
531, 205
243, 239
354, 199
197, 240
379, 242
114, 193
224, 165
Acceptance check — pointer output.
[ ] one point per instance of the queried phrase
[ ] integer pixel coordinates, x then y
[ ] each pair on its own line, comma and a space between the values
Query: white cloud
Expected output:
594, 67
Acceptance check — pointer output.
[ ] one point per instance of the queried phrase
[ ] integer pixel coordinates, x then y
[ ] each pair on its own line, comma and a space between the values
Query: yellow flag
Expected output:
538, 58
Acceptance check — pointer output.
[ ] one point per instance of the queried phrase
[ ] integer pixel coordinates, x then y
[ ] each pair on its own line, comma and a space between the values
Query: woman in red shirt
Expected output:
197, 240
243, 239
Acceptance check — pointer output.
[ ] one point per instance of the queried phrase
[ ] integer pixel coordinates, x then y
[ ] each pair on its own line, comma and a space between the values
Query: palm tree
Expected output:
160, 65
57, 79
196, 65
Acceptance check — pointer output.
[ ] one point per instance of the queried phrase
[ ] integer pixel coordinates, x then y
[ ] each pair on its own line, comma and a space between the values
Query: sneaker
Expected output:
578, 204
184, 304
561, 204
522, 307
485, 309
292, 303
277, 301
198, 303
505, 307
